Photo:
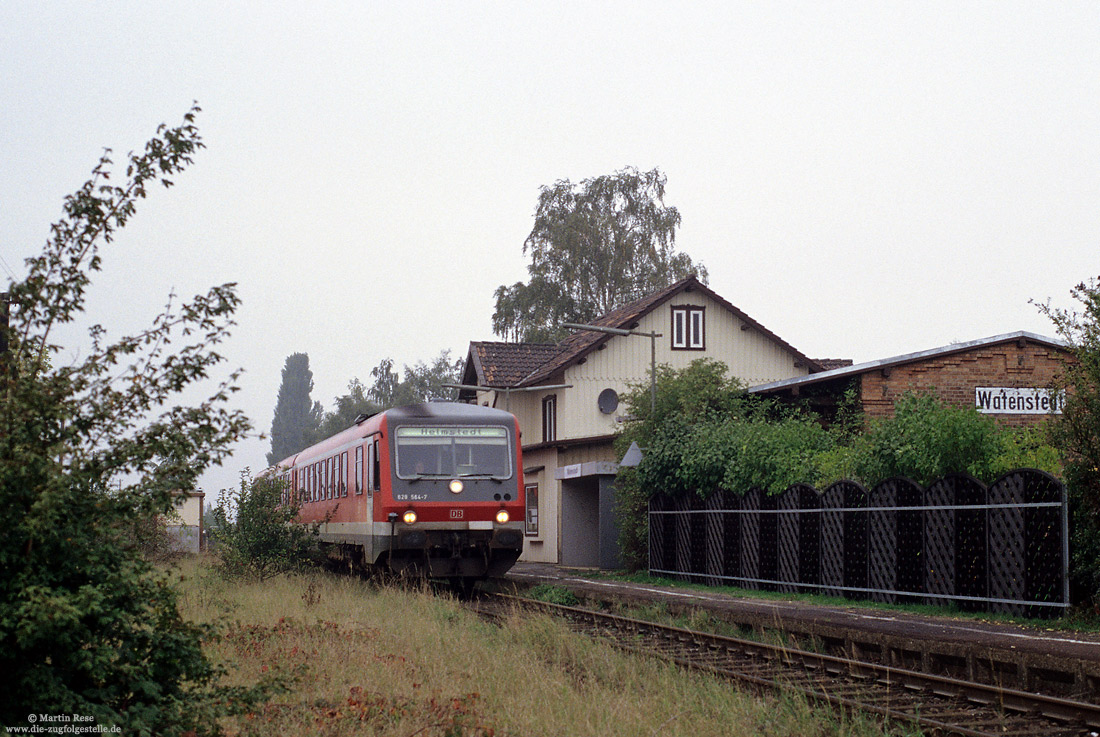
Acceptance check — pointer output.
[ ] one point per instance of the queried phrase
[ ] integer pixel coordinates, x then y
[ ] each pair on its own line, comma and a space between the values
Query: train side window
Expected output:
371, 450
344, 474
359, 469
376, 468
328, 479
336, 476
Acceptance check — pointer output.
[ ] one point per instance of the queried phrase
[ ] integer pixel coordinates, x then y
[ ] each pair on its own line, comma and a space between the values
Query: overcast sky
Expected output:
865, 179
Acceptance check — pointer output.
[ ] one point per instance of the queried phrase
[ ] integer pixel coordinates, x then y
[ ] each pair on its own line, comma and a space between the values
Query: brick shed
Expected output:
1007, 376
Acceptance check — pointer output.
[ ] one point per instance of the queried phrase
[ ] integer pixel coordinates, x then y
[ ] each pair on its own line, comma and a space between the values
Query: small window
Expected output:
531, 492
359, 469
550, 418
689, 328
343, 474
375, 468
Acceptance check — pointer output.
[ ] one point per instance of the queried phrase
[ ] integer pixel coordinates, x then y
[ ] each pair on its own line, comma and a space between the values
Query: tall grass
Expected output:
362, 659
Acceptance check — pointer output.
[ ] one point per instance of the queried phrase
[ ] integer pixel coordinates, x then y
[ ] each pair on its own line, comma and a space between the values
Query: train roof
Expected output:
447, 412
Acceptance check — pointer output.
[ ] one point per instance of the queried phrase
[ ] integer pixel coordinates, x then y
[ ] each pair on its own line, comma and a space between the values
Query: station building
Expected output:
1008, 377
566, 397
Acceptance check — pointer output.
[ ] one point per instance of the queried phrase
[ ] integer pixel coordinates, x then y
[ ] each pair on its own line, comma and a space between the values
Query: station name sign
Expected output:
1018, 400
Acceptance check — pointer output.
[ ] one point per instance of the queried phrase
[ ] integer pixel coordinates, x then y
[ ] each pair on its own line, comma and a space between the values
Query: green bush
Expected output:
927, 439
708, 435
1076, 432
255, 530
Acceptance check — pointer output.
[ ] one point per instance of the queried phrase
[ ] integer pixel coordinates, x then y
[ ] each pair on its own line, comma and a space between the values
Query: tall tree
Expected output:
297, 416
88, 452
594, 247
347, 408
422, 383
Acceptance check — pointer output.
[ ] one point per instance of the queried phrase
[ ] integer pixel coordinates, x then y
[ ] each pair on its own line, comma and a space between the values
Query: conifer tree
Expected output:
297, 416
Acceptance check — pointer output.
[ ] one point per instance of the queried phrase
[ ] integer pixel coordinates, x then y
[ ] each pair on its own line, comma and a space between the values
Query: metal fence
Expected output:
1001, 548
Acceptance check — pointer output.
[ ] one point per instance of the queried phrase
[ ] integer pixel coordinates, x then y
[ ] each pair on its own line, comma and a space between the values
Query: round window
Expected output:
608, 401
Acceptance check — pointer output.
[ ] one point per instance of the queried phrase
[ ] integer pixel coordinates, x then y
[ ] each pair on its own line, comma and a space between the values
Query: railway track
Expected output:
937, 704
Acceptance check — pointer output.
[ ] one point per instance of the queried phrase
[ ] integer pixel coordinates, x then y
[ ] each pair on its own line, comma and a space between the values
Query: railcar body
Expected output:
431, 489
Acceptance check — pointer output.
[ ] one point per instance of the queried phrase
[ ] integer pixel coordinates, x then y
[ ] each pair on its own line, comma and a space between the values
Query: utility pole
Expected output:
5, 298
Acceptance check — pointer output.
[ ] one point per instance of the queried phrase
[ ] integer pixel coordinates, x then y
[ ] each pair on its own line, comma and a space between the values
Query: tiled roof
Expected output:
828, 364
530, 364
507, 364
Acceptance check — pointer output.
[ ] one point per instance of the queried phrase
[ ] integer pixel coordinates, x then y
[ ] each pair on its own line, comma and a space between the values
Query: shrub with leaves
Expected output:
708, 435
1077, 432
87, 625
255, 530
926, 439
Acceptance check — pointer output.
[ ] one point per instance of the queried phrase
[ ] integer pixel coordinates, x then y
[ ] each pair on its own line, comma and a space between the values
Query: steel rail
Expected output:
896, 694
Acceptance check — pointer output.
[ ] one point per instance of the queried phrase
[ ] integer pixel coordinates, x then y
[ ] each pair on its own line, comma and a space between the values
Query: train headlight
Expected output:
502, 517
409, 518
456, 486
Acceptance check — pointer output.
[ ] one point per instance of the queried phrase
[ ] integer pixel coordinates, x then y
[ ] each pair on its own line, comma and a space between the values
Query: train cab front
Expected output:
456, 507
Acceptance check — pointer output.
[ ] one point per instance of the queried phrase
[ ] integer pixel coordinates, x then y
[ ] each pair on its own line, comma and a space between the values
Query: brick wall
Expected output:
1016, 363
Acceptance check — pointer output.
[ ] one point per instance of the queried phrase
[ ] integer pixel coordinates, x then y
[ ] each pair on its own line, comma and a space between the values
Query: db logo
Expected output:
456, 513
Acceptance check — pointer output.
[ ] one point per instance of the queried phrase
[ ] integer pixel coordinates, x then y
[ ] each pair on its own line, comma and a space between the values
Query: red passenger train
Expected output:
431, 489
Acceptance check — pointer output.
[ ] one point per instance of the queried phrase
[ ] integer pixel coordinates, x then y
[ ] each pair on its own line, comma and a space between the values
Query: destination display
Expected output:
1018, 400
451, 432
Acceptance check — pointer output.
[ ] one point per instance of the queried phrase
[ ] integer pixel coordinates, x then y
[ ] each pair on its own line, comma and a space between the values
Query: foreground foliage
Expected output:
395, 661
89, 451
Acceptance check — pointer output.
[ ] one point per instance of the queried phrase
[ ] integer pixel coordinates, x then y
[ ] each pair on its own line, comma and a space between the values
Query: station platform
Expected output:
1050, 660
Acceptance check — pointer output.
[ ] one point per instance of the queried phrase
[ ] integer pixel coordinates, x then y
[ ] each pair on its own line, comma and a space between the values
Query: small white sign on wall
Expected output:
1018, 400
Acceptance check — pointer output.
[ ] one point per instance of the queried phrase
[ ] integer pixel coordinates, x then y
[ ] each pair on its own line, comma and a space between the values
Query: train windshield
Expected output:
453, 452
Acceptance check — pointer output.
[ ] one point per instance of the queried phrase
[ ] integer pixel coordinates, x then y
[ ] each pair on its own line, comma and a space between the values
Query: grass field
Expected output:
362, 659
